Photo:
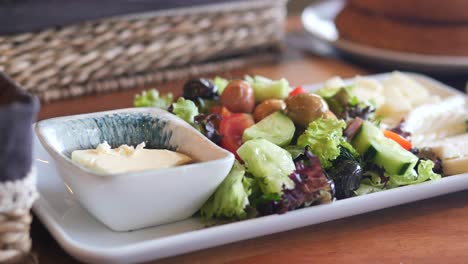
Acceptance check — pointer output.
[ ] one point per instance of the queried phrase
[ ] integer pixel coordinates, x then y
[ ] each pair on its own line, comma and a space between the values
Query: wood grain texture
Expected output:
429, 231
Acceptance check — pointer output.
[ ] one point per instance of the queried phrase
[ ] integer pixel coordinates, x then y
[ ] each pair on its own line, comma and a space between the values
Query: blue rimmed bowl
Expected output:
136, 200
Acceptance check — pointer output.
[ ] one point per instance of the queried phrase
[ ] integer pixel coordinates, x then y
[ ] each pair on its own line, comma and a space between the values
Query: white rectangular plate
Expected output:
88, 240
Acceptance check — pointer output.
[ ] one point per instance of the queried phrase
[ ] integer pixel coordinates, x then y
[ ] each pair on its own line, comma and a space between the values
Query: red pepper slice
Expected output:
297, 90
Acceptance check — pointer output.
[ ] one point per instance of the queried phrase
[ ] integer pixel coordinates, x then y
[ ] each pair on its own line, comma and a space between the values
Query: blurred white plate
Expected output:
88, 240
318, 20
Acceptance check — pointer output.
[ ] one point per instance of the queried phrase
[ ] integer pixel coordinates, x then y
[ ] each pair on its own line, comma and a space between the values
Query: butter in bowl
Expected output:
126, 158
105, 160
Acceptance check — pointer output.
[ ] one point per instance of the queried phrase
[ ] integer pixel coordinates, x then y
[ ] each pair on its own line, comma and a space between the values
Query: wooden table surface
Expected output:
429, 231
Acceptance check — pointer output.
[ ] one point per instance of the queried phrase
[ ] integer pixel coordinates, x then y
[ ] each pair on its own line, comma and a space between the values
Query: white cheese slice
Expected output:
402, 94
123, 159
412, 91
396, 100
450, 148
455, 166
366, 89
334, 82
454, 153
430, 122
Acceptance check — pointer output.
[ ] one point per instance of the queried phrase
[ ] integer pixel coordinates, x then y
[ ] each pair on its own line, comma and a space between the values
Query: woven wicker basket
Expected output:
139, 50
16, 199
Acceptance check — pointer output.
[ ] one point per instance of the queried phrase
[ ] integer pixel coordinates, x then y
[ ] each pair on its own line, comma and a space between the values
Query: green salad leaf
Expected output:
221, 83
151, 98
204, 105
185, 109
344, 104
324, 136
295, 151
328, 92
231, 198
269, 164
368, 186
424, 173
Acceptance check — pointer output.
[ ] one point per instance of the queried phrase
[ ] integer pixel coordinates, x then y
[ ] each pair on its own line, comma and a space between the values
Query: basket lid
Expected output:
35, 15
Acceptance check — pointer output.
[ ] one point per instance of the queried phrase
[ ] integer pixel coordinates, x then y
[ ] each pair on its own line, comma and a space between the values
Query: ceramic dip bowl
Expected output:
136, 200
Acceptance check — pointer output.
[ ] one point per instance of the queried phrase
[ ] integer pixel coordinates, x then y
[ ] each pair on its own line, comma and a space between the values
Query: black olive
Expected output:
200, 88
347, 176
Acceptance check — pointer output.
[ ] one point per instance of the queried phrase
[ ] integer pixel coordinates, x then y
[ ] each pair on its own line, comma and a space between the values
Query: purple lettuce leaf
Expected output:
312, 186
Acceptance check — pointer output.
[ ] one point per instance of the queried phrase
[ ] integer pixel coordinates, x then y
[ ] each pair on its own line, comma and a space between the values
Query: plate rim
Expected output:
134, 252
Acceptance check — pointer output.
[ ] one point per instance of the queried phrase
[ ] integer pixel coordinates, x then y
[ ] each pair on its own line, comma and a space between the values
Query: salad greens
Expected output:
329, 92
204, 105
344, 104
375, 183
324, 136
283, 164
424, 173
295, 151
208, 125
231, 197
221, 83
151, 98
311, 186
367, 187
185, 109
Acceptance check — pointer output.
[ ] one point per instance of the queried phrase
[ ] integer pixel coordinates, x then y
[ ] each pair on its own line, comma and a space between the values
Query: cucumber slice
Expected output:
270, 164
362, 141
276, 128
395, 159
373, 145
265, 88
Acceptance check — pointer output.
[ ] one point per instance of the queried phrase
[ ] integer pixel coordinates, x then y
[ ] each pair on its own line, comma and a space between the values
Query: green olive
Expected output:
305, 108
267, 108
238, 97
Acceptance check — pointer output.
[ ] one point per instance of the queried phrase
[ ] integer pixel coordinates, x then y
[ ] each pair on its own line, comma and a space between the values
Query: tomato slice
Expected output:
221, 110
232, 128
297, 90
406, 144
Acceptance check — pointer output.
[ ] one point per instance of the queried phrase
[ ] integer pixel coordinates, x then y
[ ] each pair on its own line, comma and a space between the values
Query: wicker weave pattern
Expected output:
16, 199
15, 241
86, 57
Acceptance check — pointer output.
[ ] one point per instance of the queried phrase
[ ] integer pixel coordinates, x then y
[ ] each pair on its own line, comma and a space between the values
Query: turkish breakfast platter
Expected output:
237, 159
